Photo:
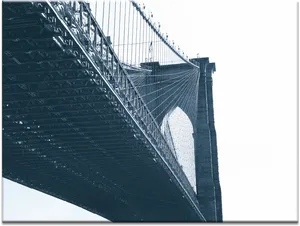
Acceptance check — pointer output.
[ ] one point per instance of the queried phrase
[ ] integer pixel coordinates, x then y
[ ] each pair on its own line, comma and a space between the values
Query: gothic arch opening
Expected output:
178, 130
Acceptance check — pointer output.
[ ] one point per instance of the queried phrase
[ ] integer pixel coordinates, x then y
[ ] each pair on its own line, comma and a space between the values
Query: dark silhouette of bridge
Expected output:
83, 105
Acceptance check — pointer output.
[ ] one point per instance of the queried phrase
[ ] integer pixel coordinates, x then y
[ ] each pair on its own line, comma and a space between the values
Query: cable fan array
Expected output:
164, 91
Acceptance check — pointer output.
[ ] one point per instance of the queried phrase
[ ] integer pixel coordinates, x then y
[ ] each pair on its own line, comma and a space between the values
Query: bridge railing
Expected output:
98, 54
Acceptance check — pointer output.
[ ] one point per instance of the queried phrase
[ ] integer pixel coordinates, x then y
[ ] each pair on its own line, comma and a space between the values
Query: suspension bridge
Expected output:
86, 89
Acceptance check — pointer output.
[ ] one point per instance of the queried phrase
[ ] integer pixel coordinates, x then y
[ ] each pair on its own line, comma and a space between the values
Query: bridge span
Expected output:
83, 125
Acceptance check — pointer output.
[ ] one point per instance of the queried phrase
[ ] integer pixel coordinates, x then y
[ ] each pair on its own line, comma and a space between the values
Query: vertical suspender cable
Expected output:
153, 43
120, 12
154, 46
156, 42
108, 19
166, 54
123, 46
147, 41
103, 15
143, 41
163, 50
162, 53
150, 45
160, 49
127, 58
131, 59
95, 31
114, 24
136, 36
96, 10
157, 48
140, 40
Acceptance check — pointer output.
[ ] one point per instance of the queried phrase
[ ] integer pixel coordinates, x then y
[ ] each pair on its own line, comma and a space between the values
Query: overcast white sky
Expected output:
254, 46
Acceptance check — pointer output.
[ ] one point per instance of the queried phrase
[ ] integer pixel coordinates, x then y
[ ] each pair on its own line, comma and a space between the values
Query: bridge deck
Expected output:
66, 135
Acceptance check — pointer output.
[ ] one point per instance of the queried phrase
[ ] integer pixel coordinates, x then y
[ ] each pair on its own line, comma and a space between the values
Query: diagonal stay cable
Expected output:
164, 81
161, 95
168, 97
182, 96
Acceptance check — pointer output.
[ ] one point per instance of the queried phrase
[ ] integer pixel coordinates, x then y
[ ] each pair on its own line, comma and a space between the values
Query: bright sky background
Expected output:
254, 46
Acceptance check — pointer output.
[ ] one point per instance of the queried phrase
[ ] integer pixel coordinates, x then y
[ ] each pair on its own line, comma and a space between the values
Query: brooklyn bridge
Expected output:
87, 92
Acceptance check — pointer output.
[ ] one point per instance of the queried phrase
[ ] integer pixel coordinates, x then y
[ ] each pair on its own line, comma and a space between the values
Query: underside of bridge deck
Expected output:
67, 136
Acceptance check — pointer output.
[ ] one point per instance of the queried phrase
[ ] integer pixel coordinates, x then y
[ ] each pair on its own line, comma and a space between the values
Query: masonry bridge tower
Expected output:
199, 108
